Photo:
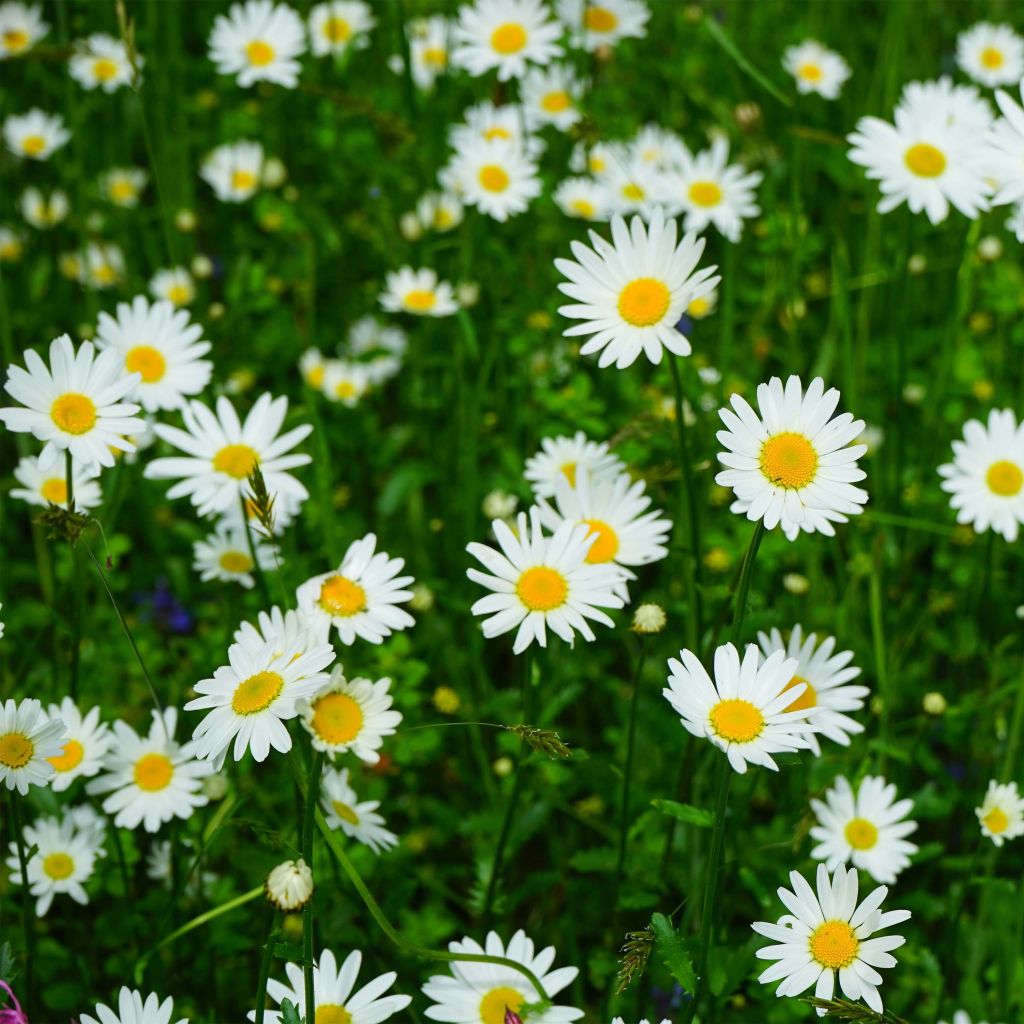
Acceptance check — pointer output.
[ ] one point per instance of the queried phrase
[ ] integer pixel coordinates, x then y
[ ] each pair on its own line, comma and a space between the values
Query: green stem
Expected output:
743, 590
268, 955
257, 569
316, 768
76, 584
27, 922
878, 643
627, 774
1016, 728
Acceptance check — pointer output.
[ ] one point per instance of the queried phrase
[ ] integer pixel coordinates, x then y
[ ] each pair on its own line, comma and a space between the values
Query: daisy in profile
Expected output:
439, 211
815, 68
792, 465
221, 451
44, 211
28, 739
496, 177
224, 555
540, 582
335, 1000
251, 698
101, 62
86, 741
701, 308
350, 714
102, 265
74, 404
258, 41
503, 35
1001, 814
481, 993
630, 293
359, 821
345, 382
826, 677
1005, 156
867, 827
991, 54
564, 457
596, 23
175, 285
549, 97
132, 1008
234, 170
986, 476
418, 292
633, 186
35, 135
336, 25
123, 185
361, 597
583, 198
286, 630
21, 27
827, 935
743, 711
51, 487
151, 779
429, 49
369, 336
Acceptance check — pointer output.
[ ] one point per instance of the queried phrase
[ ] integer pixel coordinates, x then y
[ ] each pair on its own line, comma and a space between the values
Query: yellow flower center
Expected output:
315, 376
807, 699
736, 721
606, 544
332, 1013
420, 299
58, 866
74, 413
256, 693
541, 589
600, 19
70, 758
344, 389
861, 834
337, 30
345, 812
644, 301
16, 750
55, 490
789, 460
508, 38
237, 460
556, 102
834, 945
235, 561
33, 145
496, 1002
148, 361
632, 192
1004, 478
243, 181
435, 56
153, 772
122, 190
992, 58
104, 273
569, 469
342, 597
996, 820
583, 207
179, 294
810, 72
337, 718
260, 54
925, 160
698, 308
494, 178
705, 193
15, 40
104, 69
443, 218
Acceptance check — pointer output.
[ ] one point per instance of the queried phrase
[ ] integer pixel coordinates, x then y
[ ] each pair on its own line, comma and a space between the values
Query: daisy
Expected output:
582, 198
825, 677
428, 49
986, 476
102, 265
332, 993
101, 62
86, 741
51, 488
132, 1009
828, 934
28, 739
482, 993
953, 105
345, 382
151, 779
336, 25
1001, 814
290, 885
358, 821
991, 54
744, 711
44, 212
258, 41
658, 147
633, 186
74, 404
597, 23
21, 27
224, 555
598, 158
550, 96
222, 451
703, 307
1005, 156
123, 185
439, 211
418, 292
12, 243
504, 35
312, 366
370, 336
35, 135
867, 828
496, 177
234, 170
1015, 223
631, 292
539, 582
351, 715
285, 630
816, 69
564, 457
174, 285
361, 597
790, 465
485, 122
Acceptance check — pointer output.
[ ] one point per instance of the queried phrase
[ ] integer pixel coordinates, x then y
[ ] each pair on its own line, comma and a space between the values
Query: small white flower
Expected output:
1001, 814
290, 885
258, 41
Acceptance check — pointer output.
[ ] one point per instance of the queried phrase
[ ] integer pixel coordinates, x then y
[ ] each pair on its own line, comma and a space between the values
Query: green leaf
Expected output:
686, 813
672, 953
602, 859
290, 1013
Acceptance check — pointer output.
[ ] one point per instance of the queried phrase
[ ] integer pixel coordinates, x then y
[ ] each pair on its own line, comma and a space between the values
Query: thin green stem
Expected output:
627, 773
316, 768
76, 584
878, 643
743, 589
265, 959
257, 569
27, 916
1016, 729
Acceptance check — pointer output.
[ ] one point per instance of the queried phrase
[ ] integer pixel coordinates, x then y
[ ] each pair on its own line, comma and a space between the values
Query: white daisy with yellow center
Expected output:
657, 147
28, 739
370, 337
175, 285
345, 382
746, 710
122, 186
21, 27
600, 23
439, 211
419, 292
429, 40
991, 54
541, 582
504, 35
629, 294
583, 199
86, 742
258, 41
702, 308
816, 69
44, 211
234, 170
284, 629
12, 244
550, 96
101, 62
633, 186
133, 1008
42, 488
986, 477
566, 457
151, 779
225, 554
350, 714
102, 265
1001, 814
337, 25
343, 810
494, 175
1004, 159
827, 935
35, 135
789, 464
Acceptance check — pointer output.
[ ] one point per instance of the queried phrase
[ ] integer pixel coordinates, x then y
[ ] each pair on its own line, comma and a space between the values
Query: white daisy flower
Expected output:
151, 779
496, 177
564, 457
828, 934
503, 35
630, 293
175, 285
224, 555
825, 676
258, 41
35, 135
359, 821
867, 828
485, 122
123, 185
540, 582
429, 49
336, 25
702, 307
74, 404
44, 211
658, 147
133, 1009
21, 27
51, 488
101, 62
222, 450
1004, 159
549, 96
583, 198
596, 23
482, 993
102, 265
1001, 814
816, 68
346, 382
350, 714
986, 476
991, 54
598, 158
86, 741
948, 103
12, 243
633, 186
312, 366
439, 211
285, 630
28, 739
1015, 223
790, 465
418, 292
234, 170
744, 711
369, 336
289, 886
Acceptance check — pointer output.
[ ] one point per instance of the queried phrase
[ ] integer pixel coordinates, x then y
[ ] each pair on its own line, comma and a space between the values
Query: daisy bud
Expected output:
748, 116
467, 293
913, 393
422, 599
990, 248
290, 885
409, 225
648, 618
795, 583
934, 703
216, 310
917, 264
185, 220
274, 172
202, 266
503, 766
499, 505
215, 787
